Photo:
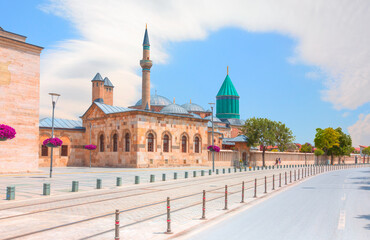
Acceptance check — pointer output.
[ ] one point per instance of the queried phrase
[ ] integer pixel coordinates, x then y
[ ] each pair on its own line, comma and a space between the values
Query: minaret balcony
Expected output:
146, 63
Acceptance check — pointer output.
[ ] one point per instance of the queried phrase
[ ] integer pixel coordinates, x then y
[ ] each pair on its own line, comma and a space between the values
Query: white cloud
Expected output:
345, 114
360, 131
331, 35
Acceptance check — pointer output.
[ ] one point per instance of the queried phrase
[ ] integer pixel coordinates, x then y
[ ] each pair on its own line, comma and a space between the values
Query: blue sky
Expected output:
266, 66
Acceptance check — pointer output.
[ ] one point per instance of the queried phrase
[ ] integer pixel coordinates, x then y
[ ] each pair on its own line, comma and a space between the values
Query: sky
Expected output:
305, 63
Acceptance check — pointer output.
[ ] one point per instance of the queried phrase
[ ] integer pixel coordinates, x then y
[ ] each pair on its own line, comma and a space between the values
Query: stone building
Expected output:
19, 102
154, 132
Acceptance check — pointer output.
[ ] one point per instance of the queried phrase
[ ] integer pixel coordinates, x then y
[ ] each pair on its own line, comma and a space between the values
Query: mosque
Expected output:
154, 132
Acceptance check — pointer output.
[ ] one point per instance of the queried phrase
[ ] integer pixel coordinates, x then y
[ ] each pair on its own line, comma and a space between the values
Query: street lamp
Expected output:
54, 99
213, 152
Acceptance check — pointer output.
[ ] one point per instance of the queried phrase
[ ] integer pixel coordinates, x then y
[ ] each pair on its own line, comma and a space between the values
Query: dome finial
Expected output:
227, 70
146, 26
174, 100
190, 100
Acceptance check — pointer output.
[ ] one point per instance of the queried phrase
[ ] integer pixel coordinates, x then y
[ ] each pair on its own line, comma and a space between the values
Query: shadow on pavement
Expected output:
367, 217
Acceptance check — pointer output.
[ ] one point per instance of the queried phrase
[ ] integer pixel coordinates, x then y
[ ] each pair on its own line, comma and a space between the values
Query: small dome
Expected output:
156, 100
192, 107
175, 109
215, 119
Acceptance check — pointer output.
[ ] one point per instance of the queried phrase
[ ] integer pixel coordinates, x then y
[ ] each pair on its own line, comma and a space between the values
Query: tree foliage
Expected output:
264, 132
319, 152
306, 148
366, 151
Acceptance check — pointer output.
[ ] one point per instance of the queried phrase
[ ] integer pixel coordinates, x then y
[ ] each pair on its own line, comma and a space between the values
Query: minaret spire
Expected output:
146, 64
227, 70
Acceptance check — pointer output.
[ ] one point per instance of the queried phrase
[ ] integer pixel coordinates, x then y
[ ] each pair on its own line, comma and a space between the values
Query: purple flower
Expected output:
90, 147
55, 141
213, 148
7, 132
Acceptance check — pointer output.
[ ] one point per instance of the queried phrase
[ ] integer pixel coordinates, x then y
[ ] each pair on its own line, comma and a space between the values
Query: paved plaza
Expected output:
89, 213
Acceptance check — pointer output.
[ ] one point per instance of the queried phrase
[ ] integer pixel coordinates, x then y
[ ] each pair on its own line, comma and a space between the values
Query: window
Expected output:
196, 144
102, 143
150, 142
183, 144
166, 143
115, 142
127, 142
64, 152
44, 151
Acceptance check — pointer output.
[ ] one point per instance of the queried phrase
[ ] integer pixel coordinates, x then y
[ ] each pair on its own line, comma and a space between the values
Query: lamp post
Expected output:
213, 152
54, 99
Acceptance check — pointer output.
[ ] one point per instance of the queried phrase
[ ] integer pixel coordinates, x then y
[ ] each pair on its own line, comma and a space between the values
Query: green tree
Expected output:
366, 152
283, 136
345, 145
306, 148
326, 139
263, 132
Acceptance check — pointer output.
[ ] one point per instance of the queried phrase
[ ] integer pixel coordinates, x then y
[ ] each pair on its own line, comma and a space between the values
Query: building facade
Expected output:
19, 102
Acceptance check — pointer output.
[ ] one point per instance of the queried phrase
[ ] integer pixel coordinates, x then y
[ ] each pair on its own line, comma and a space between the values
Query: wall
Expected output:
19, 102
74, 139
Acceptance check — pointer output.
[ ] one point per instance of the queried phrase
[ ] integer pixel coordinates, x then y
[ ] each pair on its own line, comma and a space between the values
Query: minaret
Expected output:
146, 64
97, 89
227, 100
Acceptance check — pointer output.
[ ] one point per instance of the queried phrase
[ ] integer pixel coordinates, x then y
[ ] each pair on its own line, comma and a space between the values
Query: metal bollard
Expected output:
305, 172
137, 179
116, 226
163, 177
194, 173
240, 169
209, 172
118, 181
223, 171
298, 173
152, 178
46, 189
216, 171
273, 181
302, 173
186, 174
234, 169
294, 175
242, 201
175, 175
202, 173
265, 184
204, 206
225, 197
10, 193
279, 179
168, 217
74, 186
255, 187
285, 179
98, 183
290, 176
229, 170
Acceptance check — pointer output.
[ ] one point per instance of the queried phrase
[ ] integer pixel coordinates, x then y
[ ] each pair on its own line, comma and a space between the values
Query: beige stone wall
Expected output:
19, 104
74, 139
138, 126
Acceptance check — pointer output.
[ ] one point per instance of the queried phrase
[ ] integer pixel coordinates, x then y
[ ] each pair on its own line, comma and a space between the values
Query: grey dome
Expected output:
156, 100
175, 109
192, 107
215, 119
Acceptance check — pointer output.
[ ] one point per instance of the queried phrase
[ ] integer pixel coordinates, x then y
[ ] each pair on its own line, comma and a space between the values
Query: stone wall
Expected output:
19, 102
73, 139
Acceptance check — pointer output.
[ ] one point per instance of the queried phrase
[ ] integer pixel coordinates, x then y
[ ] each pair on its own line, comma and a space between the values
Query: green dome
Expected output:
227, 88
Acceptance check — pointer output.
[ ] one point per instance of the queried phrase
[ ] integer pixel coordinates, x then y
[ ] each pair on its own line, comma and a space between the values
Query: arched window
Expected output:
150, 142
127, 142
196, 144
166, 143
183, 144
115, 142
102, 143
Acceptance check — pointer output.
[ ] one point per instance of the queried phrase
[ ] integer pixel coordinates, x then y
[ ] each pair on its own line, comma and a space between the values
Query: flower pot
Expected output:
51, 145
3, 139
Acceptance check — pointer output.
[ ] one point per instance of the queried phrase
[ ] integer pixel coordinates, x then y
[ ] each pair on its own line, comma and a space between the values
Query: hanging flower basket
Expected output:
53, 142
90, 147
213, 148
6, 132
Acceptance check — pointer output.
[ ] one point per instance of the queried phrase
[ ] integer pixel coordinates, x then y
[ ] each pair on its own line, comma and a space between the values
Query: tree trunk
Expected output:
305, 158
332, 159
263, 156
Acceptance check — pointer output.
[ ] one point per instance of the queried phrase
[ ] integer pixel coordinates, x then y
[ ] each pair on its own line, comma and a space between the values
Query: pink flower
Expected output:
7, 132
213, 148
90, 147
55, 141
